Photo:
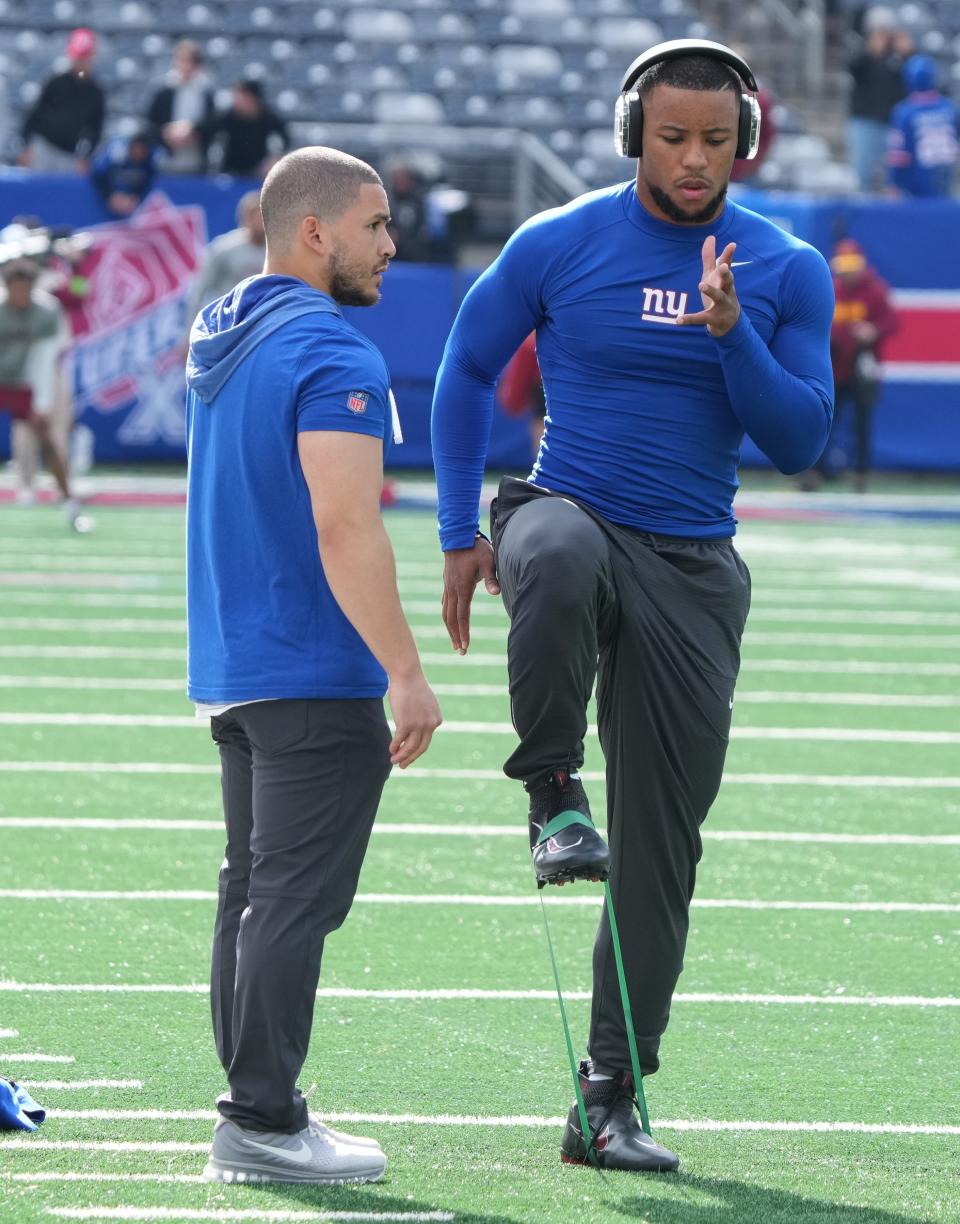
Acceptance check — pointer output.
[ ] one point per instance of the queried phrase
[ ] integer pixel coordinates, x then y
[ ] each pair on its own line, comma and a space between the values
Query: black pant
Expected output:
301, 784
862, 394
657, 622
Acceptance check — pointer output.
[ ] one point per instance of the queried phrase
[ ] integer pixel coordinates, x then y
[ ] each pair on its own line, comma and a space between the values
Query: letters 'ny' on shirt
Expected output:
645, 419
270, 360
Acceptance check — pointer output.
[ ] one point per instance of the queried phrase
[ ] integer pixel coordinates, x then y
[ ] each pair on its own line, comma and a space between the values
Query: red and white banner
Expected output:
926, 347
130, 330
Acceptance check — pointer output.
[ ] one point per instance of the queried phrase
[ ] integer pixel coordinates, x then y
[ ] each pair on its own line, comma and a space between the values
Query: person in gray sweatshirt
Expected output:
232, 257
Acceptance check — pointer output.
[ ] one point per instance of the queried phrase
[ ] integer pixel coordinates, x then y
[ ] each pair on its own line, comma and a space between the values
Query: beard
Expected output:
347, 278
676, 213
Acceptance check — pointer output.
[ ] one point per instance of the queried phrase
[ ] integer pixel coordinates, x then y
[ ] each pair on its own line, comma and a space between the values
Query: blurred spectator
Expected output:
178, 110
123, 172
429, 219
67, 278
863, 319
922, 147
744, 170
64, 125
248, 137
64, 259
877, 88
520, 390
232, 257
407, 193
33, 330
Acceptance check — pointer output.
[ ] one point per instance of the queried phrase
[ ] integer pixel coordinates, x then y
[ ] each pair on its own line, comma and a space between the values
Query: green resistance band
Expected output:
581, 1107
627, 1012
563, 821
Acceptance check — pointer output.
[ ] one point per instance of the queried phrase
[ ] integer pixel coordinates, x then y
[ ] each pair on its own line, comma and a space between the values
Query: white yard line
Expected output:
519, 1120
36, 1058
781, 546
114, 767
855, 616
849, 667
902, 641
21, 1145
48, 1175
6, 1033
767, 589
79, 1085
455, 727
744, 696
810, 667
33, 563
482, 611
515, 831
91, 624
188, 895
230, 1214
60, 600
136, 684
144, 625
455, 994
877, 781
904, 700
147, 653
85, 581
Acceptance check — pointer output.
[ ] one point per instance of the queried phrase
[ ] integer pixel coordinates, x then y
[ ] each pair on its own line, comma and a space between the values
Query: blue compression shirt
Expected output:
644, 419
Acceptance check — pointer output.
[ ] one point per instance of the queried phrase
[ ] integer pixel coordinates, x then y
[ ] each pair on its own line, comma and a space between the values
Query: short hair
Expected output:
186, 46
701, 72
251, 86
20, 269
311, 182
247, 203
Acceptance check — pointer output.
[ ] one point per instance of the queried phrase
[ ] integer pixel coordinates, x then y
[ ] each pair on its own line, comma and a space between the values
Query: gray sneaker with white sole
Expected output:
311, 1156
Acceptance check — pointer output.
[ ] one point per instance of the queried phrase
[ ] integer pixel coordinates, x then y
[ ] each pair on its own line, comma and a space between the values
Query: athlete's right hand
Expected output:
463, 568
416, 715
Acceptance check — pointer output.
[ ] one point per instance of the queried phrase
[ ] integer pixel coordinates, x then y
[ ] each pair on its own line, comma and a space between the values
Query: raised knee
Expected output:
570, 564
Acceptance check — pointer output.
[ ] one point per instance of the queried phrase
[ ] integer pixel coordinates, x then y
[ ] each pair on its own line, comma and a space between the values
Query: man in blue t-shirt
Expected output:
295, 634
615, 558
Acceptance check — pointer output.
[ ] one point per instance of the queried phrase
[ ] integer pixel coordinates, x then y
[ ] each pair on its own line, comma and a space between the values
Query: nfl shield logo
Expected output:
357, 401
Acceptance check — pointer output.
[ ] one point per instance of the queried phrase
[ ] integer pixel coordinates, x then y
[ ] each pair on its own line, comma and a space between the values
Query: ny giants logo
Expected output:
663, 305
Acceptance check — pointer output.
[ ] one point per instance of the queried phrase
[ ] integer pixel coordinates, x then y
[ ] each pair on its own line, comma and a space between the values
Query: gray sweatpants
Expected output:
656, 622
301, 783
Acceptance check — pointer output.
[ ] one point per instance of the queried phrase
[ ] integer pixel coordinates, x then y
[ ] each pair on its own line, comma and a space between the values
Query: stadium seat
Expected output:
528, 62
624, 35
541, 8
407, 108
382, 25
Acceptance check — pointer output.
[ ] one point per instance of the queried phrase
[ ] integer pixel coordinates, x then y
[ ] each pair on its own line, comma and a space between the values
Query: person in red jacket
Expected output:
520, 391
863, 319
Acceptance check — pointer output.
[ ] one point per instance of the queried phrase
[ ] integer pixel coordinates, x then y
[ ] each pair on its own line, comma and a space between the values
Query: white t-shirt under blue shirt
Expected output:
272, 359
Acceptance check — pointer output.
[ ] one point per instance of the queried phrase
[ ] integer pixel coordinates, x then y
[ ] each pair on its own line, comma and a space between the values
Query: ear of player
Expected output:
628, 115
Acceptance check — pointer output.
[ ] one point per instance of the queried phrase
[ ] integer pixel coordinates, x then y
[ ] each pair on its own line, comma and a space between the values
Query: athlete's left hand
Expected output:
717, 290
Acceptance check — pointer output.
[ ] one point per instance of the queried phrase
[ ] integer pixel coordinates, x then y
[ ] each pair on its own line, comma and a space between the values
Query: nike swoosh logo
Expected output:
731, 703
554, 846
742, 263
301, 1156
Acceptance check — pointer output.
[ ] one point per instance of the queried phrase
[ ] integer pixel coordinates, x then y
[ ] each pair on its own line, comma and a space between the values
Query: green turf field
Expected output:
812, 1068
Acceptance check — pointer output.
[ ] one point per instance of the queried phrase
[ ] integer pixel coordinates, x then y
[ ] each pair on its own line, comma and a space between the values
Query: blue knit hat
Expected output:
18, 1109
920, 74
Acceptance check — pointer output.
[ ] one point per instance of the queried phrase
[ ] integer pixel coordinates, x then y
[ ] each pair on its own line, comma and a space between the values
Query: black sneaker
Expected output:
616, 1136
563, 852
